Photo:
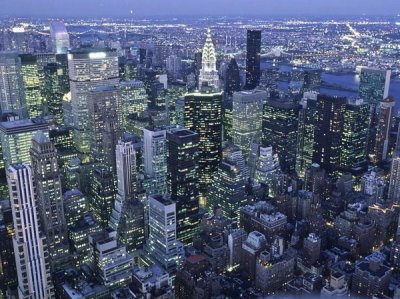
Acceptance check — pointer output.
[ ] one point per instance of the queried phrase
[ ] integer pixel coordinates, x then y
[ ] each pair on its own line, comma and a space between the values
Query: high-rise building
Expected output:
102, 194
328, 131
280, 125
53, 91
266, 166
374, 85
383, 131
184, 180
162, 243
88, 68
16, 138
208, 74
253, 57
32, 85
33, 269
227, 190
247, 118
155, 161
203, 116
354, 137
102, 109
12, 97
109, 259
394, 183
59, 37
341, 133
127, 217
50, 199
305, 137
232, 78
132, 101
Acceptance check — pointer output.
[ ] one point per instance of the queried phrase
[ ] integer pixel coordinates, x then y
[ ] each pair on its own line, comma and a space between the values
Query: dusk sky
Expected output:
148, 8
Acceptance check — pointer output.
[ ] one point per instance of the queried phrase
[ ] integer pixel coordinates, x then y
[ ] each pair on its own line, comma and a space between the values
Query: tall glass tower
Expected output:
253, 57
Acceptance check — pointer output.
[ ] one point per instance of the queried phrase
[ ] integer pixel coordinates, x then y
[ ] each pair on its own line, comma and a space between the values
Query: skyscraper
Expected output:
228, 190
88, 68
184, 180
394, 183
383, 132
247, 118
12, 97
32, 85
208, 74
155, 161
33, 269
253, 56
203, 116
59, 37
374, 85
50, 198
102, 108
16, 138
162, 243
127, 217
328, 131
280, 125
341, 133
232, 78
102, 189
53, 91
305, 137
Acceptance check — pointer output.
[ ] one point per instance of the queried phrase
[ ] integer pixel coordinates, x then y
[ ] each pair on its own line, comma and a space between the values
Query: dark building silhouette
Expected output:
232, 78
253, 58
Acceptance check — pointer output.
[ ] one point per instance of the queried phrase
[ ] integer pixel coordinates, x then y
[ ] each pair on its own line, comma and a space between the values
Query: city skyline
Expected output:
180, 8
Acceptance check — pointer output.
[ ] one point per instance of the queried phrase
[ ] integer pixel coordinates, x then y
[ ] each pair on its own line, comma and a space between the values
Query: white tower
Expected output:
34, 280
208, 73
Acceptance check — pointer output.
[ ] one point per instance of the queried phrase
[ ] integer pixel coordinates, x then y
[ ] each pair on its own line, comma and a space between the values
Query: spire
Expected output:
208, 72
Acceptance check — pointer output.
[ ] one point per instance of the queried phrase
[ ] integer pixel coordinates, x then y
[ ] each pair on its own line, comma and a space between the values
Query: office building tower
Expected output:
75, 206
53, 91
341, 133
184, 180
78, 237
208, 75
174, 67
132, 101
227, 110
109, 259
253, 56
232, 78
155, 161
374, 85
247, 118
59, 37
354, 137
102, 194
33, 269
102, 109
227, 190
328, 132
127, 217
32, 85
88, 69
305, 136
8, 270
312, 80
49, 198
203, 116
266, 166
280, 125
12, 97
394, 182
162, 243
16, 139
311, 248
383, 131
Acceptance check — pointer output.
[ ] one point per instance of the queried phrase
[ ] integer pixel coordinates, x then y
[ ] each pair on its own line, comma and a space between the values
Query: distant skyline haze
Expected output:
177, 8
